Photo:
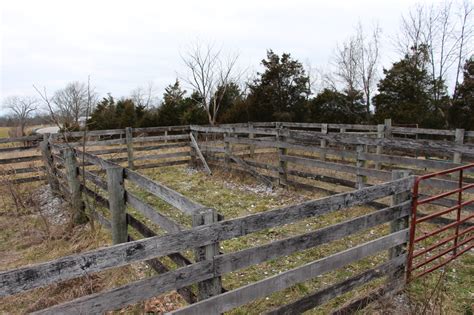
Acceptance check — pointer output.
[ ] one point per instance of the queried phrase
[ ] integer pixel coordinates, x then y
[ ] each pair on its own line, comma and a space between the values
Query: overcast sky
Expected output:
125, 44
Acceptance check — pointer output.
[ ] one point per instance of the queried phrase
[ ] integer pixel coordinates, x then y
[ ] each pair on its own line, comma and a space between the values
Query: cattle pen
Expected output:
366, 174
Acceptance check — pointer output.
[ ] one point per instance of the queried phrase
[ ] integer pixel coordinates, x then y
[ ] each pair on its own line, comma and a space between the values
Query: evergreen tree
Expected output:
280, 92
405, 94
461, 113
331, 106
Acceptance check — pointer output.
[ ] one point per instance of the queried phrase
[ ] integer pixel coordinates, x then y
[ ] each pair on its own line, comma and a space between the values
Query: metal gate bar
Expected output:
455, 249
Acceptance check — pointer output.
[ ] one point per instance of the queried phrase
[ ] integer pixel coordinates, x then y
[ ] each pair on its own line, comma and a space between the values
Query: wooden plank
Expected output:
199, 154
172, 197
162, 156
160, 138
161, 164
235, 130
68, 267
321, 296
22, 139
135, 291
152, 214
251, 170
27, 179
22, 159
231, 299
323, 178
18, 149
74, 186
255, 255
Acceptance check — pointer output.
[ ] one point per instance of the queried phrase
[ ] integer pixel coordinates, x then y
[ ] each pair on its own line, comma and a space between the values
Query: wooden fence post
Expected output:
227, 151
129, 140
116, 193
388, 128
49, 165
283, 165
379, 149
212, 286
343, 131
251, 137
397, 225
166, 136
74, 185
360, 164
459, 140
324, 131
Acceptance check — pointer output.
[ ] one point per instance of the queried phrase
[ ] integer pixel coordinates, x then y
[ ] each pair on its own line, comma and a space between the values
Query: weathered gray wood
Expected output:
129, 142
321, 296
151, 213
459, 140
399, 224
379, 148
231, 299
21, 159
74, 185
360, 164
323, 178
23, 170
24, 180
227, 150
49, 166
256, 255
116, 192
18, 149
199, 154
167, 194
68, 267
283, 165
135, 291
251, 170
213, 286
324, 143
162, 156
161, 164
251, 137
22, 139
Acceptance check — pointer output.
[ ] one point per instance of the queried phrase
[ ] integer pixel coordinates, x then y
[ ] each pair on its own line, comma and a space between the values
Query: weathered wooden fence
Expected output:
204, 237
102, 170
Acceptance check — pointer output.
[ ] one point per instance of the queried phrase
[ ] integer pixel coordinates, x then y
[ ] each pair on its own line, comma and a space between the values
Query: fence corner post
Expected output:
213, 286
397, 225
49, 165
116, 191
129, 141
74, 185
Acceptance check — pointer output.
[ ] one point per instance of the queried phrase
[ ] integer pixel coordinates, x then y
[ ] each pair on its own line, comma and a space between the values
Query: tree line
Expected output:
430, 85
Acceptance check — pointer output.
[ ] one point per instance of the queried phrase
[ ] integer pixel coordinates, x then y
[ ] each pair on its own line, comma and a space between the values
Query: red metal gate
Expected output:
439, 251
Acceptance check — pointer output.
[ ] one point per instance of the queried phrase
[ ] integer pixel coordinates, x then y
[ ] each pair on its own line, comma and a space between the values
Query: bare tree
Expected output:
71, 103
145, 96
466, 34
22, 108
209, 74
357, 61
445, 30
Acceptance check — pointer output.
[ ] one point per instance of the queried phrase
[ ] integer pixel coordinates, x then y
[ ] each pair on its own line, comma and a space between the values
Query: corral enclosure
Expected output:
236, 258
